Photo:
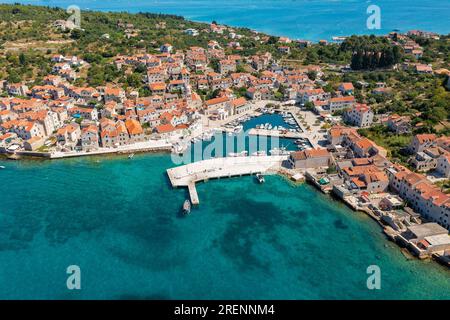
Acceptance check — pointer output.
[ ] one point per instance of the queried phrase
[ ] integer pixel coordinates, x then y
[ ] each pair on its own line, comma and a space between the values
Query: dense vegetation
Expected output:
370, 52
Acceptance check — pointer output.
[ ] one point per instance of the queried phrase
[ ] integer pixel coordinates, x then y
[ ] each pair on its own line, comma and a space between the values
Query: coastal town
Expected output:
176, 97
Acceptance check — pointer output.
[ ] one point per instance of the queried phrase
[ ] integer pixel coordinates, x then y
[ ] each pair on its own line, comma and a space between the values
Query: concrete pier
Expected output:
193, 193
275, 133
216, 168
144, 146
288, 135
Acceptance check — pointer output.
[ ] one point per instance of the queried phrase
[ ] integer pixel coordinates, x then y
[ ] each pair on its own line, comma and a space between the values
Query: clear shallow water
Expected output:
119, 220
306, 19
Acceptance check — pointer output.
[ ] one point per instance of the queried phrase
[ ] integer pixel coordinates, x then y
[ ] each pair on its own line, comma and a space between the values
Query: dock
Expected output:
305, 134
287, 135
193, 193
275, 133
188, 175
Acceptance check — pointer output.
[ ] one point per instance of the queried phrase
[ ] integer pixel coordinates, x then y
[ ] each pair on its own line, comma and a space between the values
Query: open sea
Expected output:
299, 19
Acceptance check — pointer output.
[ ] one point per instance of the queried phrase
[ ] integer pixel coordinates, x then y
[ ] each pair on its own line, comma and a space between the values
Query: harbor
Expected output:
189, 174
281, 123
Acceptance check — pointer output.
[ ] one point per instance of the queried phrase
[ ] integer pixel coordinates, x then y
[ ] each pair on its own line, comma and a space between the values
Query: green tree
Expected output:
22, 59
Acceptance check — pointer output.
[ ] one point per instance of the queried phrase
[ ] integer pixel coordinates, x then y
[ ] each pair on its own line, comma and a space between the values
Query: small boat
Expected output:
260, 178
178, 149
2, 167
260, 153
208, 136
131, 156
339, 38
238, 129
279, 152
240, 154
187, 207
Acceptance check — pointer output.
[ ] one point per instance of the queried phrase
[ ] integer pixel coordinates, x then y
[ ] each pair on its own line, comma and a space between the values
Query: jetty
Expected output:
275, 133
188, 175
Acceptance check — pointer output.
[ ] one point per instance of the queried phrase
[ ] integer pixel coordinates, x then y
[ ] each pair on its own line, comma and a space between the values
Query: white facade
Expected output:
443, 165
359, 116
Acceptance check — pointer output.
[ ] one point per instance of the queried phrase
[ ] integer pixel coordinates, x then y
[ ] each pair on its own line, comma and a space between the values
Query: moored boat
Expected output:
279, 152
178, 149
240, 154
260, 178
260, 153
187, 207
238, 129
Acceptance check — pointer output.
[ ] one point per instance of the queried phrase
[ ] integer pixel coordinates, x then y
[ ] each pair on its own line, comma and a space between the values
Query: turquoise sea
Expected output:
119, 221
305, 19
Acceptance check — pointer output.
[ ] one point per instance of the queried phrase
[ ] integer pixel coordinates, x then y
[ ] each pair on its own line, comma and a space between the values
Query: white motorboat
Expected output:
187, 207
261, 153
238, 129
279, 152
260, 178
179, 149
239, 154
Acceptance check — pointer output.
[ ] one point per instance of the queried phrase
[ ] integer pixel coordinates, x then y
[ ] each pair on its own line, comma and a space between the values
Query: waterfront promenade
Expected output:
189, 174
144, 146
